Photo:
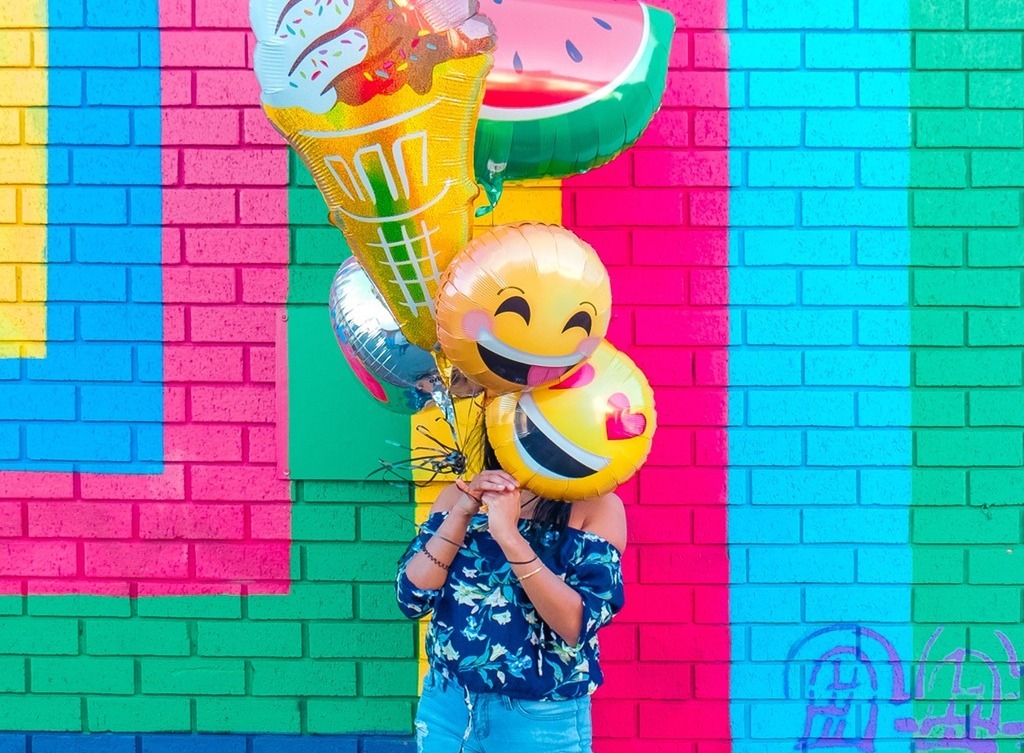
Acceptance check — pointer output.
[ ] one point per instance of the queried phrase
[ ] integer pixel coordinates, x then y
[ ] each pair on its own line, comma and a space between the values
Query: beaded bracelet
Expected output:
435, 560
531, 573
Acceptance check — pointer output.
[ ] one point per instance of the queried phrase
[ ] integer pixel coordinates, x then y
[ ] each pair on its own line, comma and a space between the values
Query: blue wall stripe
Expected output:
103, 259
819, 444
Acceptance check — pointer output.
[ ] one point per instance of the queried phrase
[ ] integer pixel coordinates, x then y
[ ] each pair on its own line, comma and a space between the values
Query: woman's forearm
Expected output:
557, 603
421, 570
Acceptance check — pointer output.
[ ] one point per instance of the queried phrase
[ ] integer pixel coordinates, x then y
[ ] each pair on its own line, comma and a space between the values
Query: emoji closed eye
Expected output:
580, 319
517, 305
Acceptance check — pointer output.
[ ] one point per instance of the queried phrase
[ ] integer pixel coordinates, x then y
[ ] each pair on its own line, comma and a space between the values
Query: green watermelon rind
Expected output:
556, 141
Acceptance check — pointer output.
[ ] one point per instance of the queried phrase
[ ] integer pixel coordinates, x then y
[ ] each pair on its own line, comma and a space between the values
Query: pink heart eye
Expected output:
579, 378
621, 422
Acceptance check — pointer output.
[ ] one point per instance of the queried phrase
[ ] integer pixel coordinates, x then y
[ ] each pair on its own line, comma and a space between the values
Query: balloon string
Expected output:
440, 459
447, 459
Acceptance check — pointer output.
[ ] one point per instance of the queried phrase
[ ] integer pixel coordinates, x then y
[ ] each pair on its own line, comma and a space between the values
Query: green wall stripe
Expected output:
967, 329
336, 429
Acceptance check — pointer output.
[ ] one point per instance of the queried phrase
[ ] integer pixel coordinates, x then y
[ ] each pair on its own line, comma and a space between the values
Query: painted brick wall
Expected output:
142, 440
965, 256
666, 247
874, 438
815, 255
187, 585
819, 406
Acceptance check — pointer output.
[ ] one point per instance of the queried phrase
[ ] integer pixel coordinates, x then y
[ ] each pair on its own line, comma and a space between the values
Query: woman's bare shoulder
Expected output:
606, 517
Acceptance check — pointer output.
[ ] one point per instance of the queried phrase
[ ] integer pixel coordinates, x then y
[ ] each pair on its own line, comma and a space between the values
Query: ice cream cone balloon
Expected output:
380, 99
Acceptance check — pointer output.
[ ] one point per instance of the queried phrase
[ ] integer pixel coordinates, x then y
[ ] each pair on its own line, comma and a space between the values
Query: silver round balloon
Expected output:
396, 372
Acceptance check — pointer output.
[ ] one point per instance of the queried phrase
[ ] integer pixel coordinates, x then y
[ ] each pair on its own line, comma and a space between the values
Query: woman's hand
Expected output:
503, 510
466, 505
485, 481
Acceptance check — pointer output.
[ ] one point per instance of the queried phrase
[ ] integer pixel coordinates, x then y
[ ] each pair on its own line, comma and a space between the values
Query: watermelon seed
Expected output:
602, 23
574, 54
517, 63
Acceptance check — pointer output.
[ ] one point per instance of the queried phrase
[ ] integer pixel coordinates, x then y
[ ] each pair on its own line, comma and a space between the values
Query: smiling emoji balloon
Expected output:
522, 305
581, 436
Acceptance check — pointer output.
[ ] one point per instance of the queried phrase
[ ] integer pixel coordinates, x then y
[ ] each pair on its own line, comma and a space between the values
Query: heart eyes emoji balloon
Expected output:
522, 305
581, 436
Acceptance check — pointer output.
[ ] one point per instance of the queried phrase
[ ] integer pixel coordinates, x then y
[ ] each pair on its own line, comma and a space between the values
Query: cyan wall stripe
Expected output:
819, 373
105, 311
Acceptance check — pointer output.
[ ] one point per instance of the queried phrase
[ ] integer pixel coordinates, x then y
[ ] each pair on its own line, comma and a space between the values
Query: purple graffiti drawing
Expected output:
969, 715
845, 672
832, 688
847, 663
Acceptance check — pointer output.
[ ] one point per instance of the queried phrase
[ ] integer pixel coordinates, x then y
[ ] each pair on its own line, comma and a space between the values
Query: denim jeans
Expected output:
451, 719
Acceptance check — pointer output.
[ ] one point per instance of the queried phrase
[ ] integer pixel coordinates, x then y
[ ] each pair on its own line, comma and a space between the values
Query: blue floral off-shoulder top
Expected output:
485, 633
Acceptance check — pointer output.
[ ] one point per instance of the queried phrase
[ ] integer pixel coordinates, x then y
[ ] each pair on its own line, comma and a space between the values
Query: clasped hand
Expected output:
499, 492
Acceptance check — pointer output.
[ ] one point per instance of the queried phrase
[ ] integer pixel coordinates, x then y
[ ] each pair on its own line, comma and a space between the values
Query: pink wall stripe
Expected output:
659, 216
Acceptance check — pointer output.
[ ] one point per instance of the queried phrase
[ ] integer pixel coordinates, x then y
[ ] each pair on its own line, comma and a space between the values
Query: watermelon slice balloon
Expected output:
574, 83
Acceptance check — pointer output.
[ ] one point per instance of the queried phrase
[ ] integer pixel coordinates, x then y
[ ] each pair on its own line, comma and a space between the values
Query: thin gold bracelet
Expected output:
531, 573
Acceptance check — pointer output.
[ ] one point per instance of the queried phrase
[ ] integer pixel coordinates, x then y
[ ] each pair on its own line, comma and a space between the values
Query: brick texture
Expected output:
819, 410
667, 254
151, 402
815, 254
966, 524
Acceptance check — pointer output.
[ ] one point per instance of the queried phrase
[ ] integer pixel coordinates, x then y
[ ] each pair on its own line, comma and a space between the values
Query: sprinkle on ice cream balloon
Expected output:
381, 104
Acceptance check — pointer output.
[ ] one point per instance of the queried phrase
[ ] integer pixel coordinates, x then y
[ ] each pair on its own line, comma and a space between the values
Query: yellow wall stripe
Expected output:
23, 165
531, 201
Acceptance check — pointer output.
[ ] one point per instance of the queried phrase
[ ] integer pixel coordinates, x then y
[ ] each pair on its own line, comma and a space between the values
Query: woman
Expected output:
518, 594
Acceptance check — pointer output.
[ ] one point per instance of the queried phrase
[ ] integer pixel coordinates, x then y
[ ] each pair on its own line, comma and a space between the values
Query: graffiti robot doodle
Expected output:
851, 669
847, 673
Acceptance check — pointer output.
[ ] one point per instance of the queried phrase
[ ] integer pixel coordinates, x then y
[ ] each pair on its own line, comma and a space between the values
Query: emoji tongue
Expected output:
541, 374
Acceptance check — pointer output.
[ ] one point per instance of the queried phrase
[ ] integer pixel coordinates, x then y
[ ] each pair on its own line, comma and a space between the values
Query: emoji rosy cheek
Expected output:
476, 321
583, 376
588, 345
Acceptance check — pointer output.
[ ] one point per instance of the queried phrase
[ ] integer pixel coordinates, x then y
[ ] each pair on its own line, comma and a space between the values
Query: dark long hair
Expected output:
548, 514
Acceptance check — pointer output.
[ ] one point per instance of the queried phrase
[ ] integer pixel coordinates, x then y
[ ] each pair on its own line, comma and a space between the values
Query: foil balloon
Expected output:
521, 305
580, 437
403, 376
379, 98
396, 372
574, 83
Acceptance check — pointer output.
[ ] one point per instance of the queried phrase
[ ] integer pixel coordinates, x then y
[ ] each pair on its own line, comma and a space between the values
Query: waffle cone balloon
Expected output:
381, 105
